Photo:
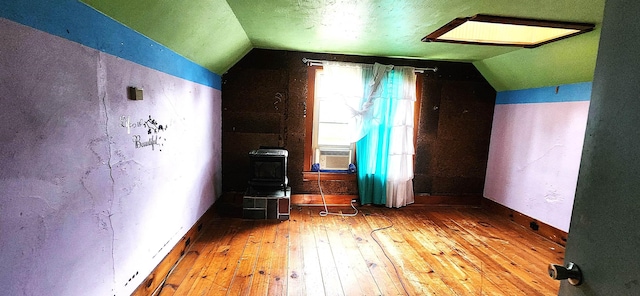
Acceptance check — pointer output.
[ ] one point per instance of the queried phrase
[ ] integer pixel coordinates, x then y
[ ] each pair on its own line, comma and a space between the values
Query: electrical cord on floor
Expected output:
324, 202
326, 212
384, 251
158, 289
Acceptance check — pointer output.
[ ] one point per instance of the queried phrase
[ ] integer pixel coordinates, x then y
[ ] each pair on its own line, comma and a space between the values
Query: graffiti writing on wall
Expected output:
153, 141
152, 127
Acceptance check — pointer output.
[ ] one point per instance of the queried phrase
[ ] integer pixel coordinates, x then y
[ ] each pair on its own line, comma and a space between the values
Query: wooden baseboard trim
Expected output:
420, 200
447, 200
556, 235
316, 199
157, 276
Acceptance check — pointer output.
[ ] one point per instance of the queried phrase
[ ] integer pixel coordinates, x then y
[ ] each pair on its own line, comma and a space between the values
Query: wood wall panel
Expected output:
269, 87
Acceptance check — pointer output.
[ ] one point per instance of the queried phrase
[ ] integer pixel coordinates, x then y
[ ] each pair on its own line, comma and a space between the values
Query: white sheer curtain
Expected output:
401, 149
347, 85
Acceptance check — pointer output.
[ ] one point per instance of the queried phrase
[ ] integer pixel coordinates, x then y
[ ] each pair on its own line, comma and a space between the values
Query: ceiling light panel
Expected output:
505, 31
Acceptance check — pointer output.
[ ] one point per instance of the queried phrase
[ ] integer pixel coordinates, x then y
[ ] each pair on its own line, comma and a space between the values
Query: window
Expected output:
327, 138
331, 143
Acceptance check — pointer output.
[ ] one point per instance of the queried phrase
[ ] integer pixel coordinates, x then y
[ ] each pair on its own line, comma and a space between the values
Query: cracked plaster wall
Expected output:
82, 209
534, 157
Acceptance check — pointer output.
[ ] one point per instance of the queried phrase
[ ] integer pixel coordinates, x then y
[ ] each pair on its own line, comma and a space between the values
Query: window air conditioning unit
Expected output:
333, 158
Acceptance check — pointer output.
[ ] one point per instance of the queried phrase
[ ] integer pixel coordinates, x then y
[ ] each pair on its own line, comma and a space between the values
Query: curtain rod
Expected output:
311, 62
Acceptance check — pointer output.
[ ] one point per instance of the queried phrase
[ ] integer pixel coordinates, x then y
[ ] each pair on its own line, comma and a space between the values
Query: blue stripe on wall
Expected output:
75, 21
565, 93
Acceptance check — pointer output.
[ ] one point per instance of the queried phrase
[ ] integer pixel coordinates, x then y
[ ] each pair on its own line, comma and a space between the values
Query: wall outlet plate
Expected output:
135, 93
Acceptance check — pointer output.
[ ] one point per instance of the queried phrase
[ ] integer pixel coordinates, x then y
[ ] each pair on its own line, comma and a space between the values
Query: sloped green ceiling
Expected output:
217, 33
373, 28
551, 64
394, 28
204, 31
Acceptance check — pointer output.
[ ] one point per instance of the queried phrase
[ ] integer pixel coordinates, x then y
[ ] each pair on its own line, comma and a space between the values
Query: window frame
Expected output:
309, 154
309, 111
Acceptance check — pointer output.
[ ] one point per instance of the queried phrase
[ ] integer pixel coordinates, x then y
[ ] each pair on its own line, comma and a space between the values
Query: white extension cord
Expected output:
326, 212
324, 202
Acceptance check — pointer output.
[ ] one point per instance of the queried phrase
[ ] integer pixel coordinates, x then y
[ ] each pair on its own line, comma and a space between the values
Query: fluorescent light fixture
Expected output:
505, 31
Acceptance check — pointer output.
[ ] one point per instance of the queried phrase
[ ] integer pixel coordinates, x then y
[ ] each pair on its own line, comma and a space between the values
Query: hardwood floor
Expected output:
419, 251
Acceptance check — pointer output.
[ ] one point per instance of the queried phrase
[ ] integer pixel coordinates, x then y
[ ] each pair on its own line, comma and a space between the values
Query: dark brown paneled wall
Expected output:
264, 104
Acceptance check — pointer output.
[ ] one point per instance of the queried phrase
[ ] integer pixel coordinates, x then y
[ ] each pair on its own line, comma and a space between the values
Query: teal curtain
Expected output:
373, 151
371, 157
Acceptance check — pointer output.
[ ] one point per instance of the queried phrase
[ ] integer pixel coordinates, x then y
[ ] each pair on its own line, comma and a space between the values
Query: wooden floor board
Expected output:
215, 279
419, 274
242, 280
465, 281
519, 252
278, 279
204, 247
458, 259
512, 249
314, 283
261, 273
354, 277
295, 267
536, 243
379, 267
328, 267
486, 262
419, 251
490, 259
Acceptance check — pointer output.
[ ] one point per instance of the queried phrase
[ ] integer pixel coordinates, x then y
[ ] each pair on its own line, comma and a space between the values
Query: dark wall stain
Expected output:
264, 97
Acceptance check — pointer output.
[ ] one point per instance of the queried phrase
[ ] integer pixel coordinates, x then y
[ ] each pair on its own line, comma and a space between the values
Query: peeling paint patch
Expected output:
553, 196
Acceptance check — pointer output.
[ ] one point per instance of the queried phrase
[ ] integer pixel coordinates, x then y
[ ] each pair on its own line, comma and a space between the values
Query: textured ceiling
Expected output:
218, 33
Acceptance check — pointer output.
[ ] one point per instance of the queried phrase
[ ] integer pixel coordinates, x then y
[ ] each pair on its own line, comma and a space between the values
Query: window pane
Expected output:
332, 114
320, 91
334, 134
334, 111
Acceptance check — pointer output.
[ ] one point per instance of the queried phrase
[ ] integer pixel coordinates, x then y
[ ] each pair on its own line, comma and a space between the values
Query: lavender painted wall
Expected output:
535, 149
82, 210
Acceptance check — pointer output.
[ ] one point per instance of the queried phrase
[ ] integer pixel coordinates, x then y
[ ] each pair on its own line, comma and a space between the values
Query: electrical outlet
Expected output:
135, 93
533, 225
